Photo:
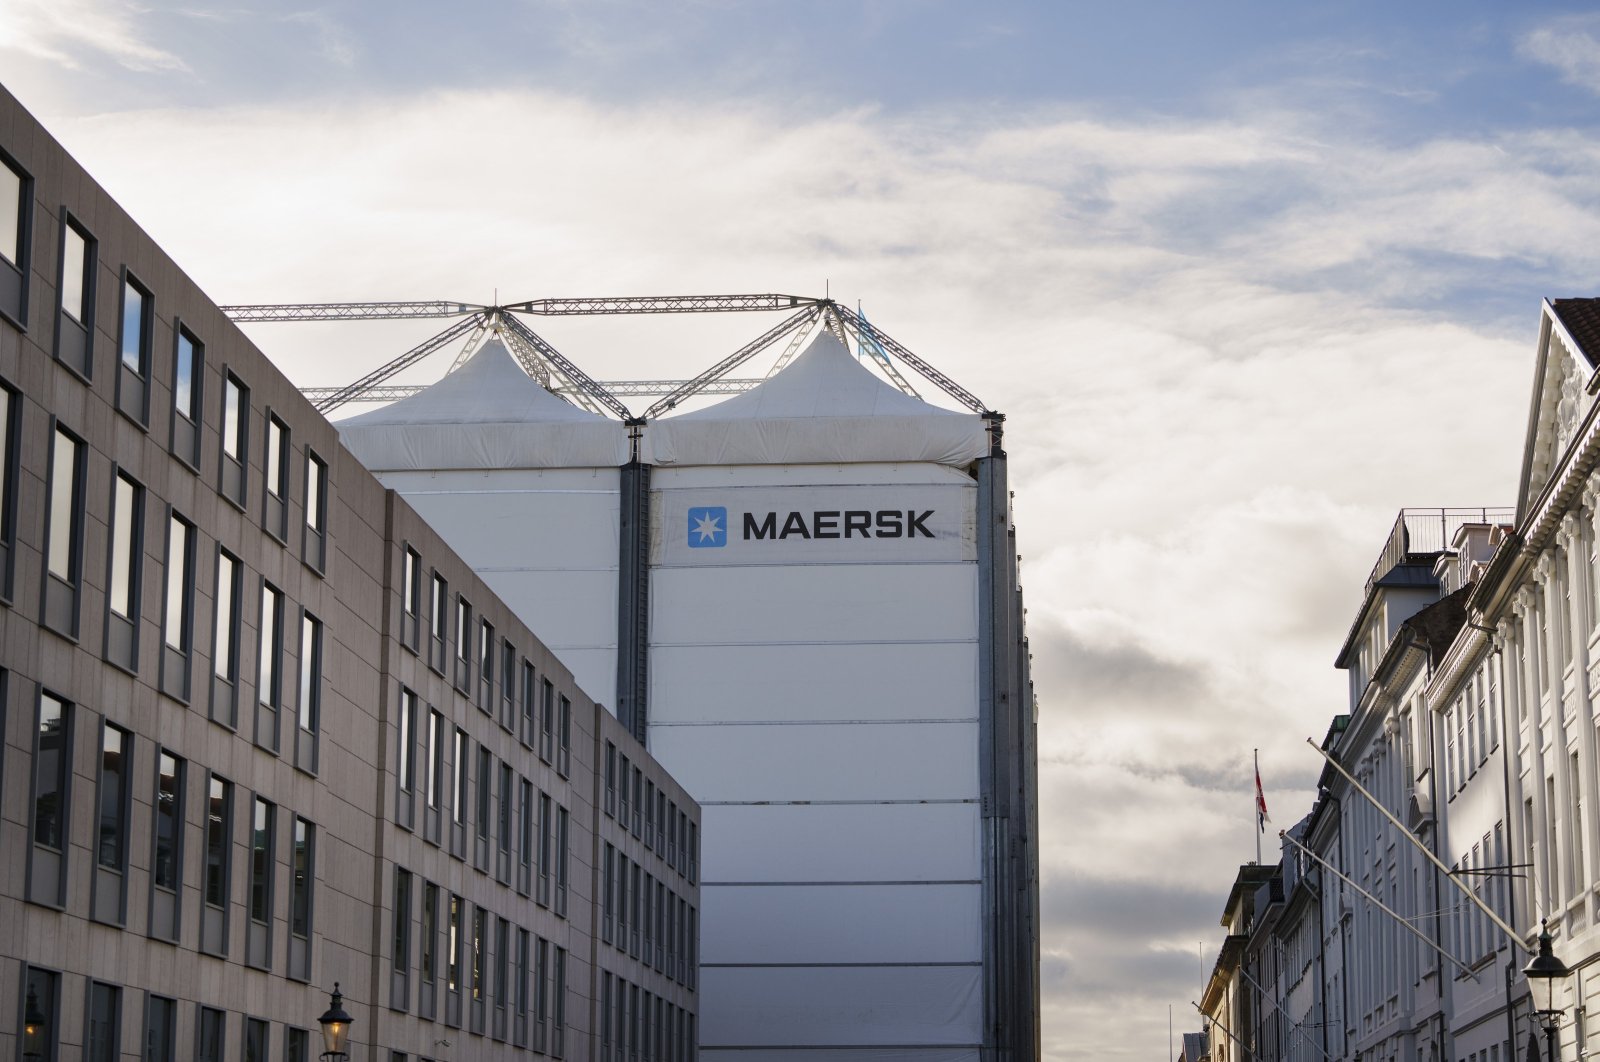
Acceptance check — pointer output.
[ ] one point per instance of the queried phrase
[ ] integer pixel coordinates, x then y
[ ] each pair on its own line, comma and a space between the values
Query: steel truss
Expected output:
554, 371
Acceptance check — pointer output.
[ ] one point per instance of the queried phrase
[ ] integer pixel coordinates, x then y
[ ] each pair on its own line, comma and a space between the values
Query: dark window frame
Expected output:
77, 512
230, 634
133, 381
18, 275
187, 451
177, 661
120, 641
276, 497
73, 343
11, 469
234, 466
314, 536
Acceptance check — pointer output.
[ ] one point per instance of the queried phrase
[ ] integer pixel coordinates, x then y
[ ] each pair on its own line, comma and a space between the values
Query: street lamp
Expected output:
33, 1028
1546, 967
335, 1027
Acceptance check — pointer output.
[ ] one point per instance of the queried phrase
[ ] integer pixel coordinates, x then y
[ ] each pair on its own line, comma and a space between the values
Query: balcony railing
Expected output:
1426, 532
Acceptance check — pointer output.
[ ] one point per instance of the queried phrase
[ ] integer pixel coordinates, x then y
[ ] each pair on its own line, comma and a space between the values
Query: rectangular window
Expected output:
1576, 869
462, 779
401, 953
255, 1040
314, 547
310, 672
136, 323
235, 438
435, 756
224, 635
302, 879
453, 946
75, 323
127, 510
486, 666
105, 1008
219, 840
611, 779
548, 721
297, 1045
10, 450
180, 583
160, 1028
405, 761
275, 512
561, 860
524, 999
546, 846
111, 847
541, 981
441, 608
503, 816
410, 598
508, 685
187, 360
564, 758
479, 916
559, 1017
270, 645
608, 893
525, 867
137, 332
16, 201
211, 1033
52, 770
530, 706
485, 789
463, 630
430, 932
167, 865
502, 975
64, 542
261, 822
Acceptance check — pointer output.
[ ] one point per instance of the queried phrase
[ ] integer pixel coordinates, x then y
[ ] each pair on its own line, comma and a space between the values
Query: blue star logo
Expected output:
708, 527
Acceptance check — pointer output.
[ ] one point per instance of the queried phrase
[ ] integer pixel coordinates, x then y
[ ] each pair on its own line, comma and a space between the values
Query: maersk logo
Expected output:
708, 527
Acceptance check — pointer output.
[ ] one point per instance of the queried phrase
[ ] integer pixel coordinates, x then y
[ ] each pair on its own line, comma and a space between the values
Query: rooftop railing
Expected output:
1424, 532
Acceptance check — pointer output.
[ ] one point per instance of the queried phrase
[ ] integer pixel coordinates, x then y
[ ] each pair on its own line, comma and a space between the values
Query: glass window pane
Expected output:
63, 495
268, 637
275, 457
261, 862
165, 871
314, 502
222, 662
11, 207
183, 377
310, 670
50, 764
217, 842
211, 1032
135, 309
300, 899
74, 286
112, 774
231, 423
177, 583
123, 558
104, 1003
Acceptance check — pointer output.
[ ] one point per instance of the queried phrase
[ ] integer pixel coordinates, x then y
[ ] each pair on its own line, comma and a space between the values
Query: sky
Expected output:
1245, 278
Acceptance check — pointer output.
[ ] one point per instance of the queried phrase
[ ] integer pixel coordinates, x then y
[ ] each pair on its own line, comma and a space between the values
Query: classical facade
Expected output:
1475, 668
264, 731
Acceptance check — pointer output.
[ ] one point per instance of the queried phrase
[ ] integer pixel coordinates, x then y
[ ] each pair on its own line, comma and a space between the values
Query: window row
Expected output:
643, 918
1472, 726
119, 818
77, 273
487, 667
518, 832
112, 1012
645, 811
639, 1026
499, 980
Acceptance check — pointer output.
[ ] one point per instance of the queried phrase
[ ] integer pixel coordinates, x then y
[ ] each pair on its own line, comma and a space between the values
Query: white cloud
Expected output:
61, 31
1203, 334
1571, 45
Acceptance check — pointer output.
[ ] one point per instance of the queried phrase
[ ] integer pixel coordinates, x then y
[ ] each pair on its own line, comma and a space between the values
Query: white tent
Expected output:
824, 408
487, 414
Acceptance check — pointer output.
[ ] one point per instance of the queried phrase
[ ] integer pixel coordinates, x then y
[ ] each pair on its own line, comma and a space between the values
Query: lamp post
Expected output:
33, 1028
335, 1027
1546, 967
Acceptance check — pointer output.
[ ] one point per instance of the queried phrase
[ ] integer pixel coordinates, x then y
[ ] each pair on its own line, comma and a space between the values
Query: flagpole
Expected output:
1255, 803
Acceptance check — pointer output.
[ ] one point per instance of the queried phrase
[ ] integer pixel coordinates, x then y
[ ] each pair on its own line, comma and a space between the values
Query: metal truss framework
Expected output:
556, 372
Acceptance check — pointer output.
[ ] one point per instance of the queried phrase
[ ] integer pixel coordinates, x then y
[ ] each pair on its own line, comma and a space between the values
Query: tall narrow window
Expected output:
219, 841
16, 199
225, 641
160, 1028
479, 943
524, 998
297, 1047
302, 881
464, 661
64, 546
406, 757
10, 447
105, 1007
235, 438
167, 866
255, 1040
503, 821
188, 360
399, 983
453, 946
315, 547
438, 623
564, 753
462, 779
212, 1031
124, 572
263, 819
310, 672
111, 848
1577, 871
486, 666
430, 934
435, 756
502, 975
40, 990
52, 768
138, 328
561, 860
485, 790
525, 866
546, 846
558, 1018
530, 705
541, 982
178, 608
275, 515
410, 598
270, 643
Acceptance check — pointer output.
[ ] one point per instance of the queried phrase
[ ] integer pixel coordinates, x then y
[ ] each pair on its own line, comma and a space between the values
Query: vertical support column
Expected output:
633, 594
1006, 779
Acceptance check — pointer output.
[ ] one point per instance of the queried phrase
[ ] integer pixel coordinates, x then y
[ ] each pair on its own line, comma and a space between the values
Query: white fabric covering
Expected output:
487, 414
825, 407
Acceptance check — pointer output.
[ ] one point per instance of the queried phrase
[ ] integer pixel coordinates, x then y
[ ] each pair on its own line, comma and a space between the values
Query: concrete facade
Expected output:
237, 765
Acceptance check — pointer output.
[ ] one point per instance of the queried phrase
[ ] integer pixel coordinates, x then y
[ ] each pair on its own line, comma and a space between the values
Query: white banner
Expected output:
884, 524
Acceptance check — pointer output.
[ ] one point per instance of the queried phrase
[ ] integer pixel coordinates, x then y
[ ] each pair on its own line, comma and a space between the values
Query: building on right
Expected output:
1455, 822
